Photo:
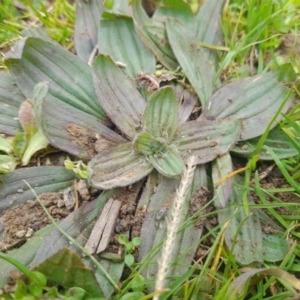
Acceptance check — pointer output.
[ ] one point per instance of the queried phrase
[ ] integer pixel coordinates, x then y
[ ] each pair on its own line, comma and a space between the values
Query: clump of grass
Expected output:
56, 17
253, 30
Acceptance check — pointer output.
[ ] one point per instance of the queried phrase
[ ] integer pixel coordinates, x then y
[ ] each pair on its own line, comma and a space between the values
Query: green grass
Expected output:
57, 19
253, 30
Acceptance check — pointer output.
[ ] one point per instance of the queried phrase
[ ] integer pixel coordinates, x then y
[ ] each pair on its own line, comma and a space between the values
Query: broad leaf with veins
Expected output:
155, 137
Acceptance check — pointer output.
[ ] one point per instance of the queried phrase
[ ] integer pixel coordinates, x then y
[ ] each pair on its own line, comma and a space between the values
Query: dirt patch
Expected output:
20, 222
198, 201
290, 45
83, 137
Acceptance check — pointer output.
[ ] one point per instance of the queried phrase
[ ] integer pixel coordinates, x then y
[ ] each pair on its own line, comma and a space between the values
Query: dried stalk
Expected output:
173, 225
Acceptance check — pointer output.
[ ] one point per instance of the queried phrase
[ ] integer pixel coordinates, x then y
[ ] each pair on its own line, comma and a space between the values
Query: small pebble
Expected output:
29, 232
20, 234
31, 203
60, 203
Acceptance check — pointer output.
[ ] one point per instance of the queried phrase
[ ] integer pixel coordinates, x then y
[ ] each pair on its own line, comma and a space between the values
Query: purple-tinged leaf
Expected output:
254, 100
243, 233
207, 139
192, 60
190, 100
11, 98
221, 167
88, 14
161, 114
117, 167
35, 60
119, 40
13, 189
118, 95
277, 140
27, 119
69, 129
167, 162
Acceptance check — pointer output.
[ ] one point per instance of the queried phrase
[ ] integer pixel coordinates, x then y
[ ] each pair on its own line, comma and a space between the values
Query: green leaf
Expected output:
153, 34
177, 9
146, 144
21, 290
5, 146
275, 244
167, 162
35, 289
70, 79
130, 51
118, 95
75, 293
11, 98
208, 28
137, 284
118, 166
132, 296
136, 241
161, 114
19, 144
36, 143
277, 140
139, 15
69, 129
66, 269
207, 139
192, 60
13, 189
129, 260
254, 100
122, 239
243, 235
7, 164
38, 277
88, 14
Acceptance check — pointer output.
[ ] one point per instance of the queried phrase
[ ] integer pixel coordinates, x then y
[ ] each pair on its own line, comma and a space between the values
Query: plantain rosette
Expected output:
77, 105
